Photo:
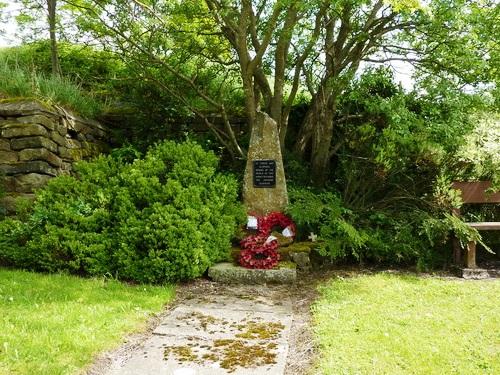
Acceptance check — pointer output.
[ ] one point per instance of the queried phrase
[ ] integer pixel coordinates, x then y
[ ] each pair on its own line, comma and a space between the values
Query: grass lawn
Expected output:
56, 324
394, 324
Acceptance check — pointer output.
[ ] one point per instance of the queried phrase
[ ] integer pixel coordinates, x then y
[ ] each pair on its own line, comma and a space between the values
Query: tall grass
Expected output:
17, 83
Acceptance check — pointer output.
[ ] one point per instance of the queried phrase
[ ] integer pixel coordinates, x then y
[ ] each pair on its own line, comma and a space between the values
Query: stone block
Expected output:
4, 145
27, 183
29, 154
23, 130
8, 123
63, 152
80, 127
9, 183
301, 259
66, 167
8, 157
28, 167
475, 273
73, 143
38, 119
33, 142
25, 107
59, 139
9, 202
62, 130
74, 154
232, 274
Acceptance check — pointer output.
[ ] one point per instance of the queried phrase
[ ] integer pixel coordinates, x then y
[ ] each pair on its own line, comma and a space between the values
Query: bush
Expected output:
162, 218
397, 235
389, 195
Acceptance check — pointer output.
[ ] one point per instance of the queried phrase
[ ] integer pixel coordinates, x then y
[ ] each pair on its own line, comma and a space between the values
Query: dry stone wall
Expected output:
39, 142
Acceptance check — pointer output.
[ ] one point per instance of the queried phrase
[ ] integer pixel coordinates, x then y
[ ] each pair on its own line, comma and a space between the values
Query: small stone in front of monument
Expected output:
302, 260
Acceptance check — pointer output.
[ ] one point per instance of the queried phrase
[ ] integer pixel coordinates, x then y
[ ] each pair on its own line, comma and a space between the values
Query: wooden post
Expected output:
471, 255
457, 251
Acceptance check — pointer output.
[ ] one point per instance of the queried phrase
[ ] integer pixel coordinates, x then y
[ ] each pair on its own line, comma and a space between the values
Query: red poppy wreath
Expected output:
260, 250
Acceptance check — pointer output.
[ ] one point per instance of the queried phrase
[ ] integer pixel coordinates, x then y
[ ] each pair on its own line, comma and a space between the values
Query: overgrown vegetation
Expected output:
398, 324
369, 164
17, 83
388, 198
58, 324
165, 217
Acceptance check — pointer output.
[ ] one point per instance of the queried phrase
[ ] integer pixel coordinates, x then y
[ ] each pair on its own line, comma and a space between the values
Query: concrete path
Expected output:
214, 330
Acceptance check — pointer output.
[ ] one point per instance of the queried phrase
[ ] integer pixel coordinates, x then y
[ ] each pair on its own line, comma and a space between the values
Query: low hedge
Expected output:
162, 218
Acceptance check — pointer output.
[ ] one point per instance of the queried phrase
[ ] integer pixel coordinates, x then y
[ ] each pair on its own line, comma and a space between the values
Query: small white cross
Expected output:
313, 237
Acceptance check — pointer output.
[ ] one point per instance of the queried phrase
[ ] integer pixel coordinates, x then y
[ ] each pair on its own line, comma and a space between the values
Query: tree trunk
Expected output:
320, 153
317, 132
56, 67
250, 105
310, 122
283, 129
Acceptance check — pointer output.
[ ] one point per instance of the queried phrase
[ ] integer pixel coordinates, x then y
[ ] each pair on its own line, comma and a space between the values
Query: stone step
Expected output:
230, 273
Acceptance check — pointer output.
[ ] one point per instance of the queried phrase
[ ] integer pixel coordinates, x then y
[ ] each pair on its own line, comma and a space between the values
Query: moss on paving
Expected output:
253, 346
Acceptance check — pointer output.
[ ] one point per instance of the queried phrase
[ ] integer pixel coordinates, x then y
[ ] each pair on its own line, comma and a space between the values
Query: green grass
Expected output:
16, 83
57, 324
390, 324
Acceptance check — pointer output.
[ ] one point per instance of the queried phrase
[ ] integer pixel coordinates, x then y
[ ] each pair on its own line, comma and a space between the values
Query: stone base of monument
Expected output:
230, 273
474, 273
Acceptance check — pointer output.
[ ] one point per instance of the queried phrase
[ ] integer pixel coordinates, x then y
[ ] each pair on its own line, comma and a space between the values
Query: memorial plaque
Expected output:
264, 173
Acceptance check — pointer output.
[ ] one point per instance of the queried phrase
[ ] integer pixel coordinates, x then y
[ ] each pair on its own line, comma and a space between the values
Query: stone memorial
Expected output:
264, 185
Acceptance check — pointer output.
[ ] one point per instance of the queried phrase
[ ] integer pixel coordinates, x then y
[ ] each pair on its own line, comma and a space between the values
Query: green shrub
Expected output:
323, 214
388, 198
162, 218
399, 235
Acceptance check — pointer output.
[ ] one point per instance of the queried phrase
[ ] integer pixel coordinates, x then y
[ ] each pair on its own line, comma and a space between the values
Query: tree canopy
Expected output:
215, 56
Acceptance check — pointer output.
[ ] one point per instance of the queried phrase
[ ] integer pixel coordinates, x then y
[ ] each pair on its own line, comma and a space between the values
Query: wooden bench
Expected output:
473, 192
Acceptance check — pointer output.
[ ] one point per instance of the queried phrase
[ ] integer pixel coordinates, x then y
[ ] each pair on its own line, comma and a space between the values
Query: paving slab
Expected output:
475, 273
230, 273
243, 302
216, 334
217, 323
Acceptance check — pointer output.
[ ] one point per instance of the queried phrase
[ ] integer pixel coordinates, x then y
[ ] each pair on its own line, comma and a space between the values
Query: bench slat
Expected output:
485, 225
